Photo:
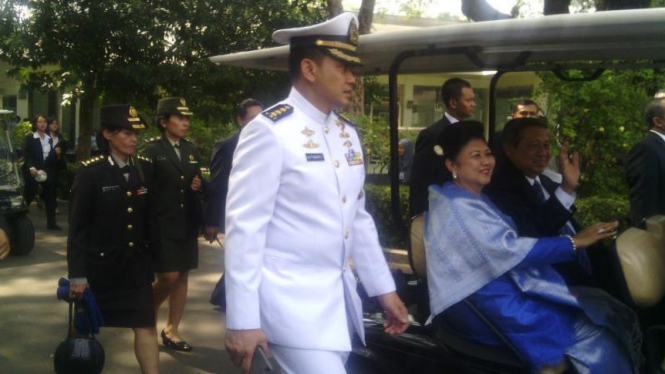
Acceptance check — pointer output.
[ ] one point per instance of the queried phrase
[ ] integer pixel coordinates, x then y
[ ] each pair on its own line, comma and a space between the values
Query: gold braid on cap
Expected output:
333, 44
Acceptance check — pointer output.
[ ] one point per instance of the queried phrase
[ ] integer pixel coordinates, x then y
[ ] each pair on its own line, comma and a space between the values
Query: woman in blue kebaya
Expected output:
475, 256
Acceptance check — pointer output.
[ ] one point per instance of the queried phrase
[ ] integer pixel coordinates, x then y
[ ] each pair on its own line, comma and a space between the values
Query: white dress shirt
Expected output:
450, 118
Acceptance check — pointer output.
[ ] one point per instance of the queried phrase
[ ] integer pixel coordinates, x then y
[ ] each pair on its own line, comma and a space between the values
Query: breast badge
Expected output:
348, 144
354, 158
310, 144
307, 132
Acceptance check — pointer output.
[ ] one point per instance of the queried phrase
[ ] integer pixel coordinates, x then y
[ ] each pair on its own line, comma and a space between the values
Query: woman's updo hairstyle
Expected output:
456, 136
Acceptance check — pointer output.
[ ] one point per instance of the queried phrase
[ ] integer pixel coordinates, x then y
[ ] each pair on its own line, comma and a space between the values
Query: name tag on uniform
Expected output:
108, 189
162, 158
314, 157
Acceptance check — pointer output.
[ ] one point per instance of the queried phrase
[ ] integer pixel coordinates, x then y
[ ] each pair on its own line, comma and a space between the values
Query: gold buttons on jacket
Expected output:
336, 163
129, 210
129, 193
130, 244
326, 129
182, 177
129, 227
182, 205
346, 234
182, 191
344, 198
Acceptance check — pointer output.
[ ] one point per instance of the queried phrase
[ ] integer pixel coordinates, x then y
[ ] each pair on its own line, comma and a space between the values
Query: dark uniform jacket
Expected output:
179, 210
645, 173
428, 168
110, 225
218, 187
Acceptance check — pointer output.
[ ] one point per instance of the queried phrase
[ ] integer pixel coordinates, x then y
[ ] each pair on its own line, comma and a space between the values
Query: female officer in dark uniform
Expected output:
178, 205
109, 229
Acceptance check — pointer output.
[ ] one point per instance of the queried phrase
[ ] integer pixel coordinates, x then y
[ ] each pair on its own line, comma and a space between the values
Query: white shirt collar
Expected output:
450, 118
659, 134
36, 135
533, 180
306, 107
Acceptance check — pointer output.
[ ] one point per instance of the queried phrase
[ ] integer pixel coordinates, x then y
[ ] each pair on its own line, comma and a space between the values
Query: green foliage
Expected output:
19, 132
375, 138
378, 206
602, 119
595, 209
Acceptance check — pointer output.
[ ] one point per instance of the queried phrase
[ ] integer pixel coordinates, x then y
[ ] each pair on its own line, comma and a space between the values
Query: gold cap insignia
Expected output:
354, 37
191, 157
183, 102
133, 112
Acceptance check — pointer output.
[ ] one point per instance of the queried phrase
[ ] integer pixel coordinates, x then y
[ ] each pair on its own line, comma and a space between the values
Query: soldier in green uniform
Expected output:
178, 207
109, 247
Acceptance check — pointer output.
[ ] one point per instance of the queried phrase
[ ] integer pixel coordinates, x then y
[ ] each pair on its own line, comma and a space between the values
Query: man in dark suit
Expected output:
220, 169
428, 168
538, 206
645, 167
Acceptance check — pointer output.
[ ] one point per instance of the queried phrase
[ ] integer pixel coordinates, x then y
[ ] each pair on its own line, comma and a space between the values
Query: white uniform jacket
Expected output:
295, 215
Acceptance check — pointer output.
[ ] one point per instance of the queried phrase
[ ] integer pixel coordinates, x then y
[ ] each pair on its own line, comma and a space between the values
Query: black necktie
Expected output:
538, 189
125, 169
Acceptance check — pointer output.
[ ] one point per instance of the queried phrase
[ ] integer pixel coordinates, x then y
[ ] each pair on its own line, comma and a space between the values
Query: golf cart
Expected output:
593, 42
12, 206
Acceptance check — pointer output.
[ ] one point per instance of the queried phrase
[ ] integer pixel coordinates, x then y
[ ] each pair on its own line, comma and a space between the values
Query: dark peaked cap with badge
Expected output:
173, 105
123, 116
337, 37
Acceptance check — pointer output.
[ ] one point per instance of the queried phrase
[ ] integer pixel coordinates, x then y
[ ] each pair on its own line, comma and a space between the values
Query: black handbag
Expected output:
78, 355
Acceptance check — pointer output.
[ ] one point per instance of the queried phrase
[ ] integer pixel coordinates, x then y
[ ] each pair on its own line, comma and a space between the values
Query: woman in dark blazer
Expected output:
60, 147
40, 155
110, 246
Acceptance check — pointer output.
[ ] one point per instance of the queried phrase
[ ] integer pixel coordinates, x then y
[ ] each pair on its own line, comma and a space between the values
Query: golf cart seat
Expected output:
507, 358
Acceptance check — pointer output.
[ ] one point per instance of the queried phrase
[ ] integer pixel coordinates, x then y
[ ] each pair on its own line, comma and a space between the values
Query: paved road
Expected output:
33, 321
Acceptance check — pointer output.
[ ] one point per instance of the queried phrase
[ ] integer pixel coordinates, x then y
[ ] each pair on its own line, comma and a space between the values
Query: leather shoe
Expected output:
182, 345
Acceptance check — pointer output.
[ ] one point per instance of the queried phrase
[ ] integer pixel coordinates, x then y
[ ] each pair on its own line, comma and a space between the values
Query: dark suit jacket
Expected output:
34, 157
218, 187
179, 209
514, 196
645, 173
427, 168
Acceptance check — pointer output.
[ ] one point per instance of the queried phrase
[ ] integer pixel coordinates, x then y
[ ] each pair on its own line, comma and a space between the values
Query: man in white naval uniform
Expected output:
296, 215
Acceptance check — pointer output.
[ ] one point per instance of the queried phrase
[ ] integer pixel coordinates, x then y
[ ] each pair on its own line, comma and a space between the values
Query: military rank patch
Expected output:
278, 112
354, 158
92, 161
144, 159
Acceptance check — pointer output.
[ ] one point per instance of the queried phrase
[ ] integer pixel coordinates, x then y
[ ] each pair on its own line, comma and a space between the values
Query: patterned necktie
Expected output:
538, 189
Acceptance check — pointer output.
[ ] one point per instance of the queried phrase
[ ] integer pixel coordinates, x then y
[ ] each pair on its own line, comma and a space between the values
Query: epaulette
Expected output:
154, 139
144, 159
92, 161
348, 121
278, 112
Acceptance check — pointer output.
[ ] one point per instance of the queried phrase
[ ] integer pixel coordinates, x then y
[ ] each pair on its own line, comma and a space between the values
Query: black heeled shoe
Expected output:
181, 346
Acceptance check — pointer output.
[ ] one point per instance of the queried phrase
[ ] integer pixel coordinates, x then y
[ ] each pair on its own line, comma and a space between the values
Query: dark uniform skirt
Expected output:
177, 255
127, 307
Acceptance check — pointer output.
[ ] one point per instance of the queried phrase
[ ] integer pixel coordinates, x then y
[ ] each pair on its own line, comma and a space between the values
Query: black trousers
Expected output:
48, 195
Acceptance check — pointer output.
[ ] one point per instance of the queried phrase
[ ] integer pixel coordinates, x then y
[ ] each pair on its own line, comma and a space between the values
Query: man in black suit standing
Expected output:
220, 169
539, 206
428, 168
645, 167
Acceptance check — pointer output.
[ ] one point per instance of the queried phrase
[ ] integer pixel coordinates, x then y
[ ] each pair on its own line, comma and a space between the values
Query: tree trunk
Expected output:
88, 99
481, 10
556, 7
622, 4
365, 17
334, 7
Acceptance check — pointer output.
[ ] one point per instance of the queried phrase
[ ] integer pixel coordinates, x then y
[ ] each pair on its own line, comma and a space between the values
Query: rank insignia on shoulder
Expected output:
144, 159
154, 139
92, 161
278, 112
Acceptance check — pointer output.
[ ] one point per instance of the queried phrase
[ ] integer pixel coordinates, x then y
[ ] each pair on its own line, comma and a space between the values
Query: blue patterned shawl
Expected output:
469, 243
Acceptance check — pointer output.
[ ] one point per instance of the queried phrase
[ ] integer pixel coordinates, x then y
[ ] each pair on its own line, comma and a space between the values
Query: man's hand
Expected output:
196, 183
397, 317
76, 290
4, 244
570, 169
240, 344
594, 233
210, 234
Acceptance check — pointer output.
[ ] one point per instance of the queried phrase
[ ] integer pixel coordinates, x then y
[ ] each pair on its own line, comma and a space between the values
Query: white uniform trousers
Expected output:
308, 361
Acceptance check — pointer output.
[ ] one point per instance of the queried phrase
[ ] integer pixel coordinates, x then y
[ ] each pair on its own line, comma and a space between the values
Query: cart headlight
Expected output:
16, 202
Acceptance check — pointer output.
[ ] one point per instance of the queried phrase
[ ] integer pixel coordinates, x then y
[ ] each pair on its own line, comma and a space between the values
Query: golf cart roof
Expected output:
632, 36
5, 111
